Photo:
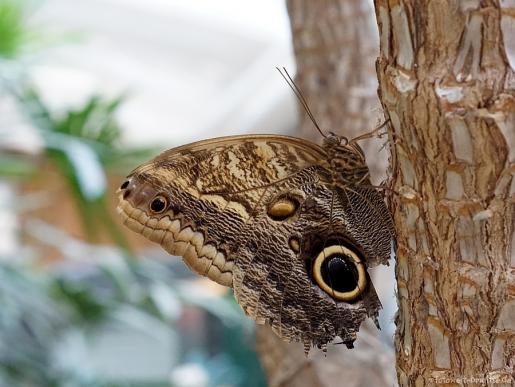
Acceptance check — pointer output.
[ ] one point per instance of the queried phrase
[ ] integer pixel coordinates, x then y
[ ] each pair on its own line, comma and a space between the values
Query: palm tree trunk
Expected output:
446, 81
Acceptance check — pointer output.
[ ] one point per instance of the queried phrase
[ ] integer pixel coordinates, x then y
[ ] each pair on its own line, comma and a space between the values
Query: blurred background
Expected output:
88, 90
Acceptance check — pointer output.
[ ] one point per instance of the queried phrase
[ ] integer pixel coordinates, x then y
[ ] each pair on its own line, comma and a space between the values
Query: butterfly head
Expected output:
156, 210
335, 141
141, 204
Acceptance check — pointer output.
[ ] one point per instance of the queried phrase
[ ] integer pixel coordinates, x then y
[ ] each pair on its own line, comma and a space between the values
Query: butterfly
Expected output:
290, 225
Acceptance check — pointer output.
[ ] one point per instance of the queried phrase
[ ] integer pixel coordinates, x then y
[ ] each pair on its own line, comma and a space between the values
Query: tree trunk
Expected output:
335, 47
446, 76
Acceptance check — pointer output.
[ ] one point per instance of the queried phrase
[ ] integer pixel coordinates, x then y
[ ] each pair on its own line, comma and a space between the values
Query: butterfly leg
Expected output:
373, 133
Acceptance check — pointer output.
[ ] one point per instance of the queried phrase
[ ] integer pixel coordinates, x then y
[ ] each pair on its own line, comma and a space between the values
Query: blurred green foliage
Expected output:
84, 144
18, 36
41, 308
13, 31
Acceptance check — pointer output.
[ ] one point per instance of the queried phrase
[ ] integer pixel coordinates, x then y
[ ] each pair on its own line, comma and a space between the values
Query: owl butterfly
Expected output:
289, 225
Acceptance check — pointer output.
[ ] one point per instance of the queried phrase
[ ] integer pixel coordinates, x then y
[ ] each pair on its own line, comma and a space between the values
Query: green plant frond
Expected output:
95, 121
12, 28
18, 37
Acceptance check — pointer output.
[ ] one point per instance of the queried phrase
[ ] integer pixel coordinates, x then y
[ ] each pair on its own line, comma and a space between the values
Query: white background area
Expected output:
191, 69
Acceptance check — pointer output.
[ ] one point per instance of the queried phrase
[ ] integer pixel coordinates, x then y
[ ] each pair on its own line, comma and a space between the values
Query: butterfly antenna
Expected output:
300, 96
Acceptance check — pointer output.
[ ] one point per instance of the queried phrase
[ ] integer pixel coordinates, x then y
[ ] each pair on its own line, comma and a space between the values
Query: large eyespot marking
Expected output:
158, 204
282, 208
340, 273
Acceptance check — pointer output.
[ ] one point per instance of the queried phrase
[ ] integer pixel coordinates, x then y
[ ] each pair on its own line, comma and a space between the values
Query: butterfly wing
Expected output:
253, 213
214, 187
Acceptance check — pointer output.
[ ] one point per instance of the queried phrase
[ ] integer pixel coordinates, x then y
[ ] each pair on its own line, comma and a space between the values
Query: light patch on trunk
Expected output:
469, 54
402, 268
428, 282
451, 94
498, 361
454, 186
404, 82
468, 291
396, 123
412, 214
469, 5
406, 337
408, 192
432, 310
385, 31
507, 317
461, 141
440, 344
508, 30
402, 37
482, 215
478, 275
408, 173
422, 236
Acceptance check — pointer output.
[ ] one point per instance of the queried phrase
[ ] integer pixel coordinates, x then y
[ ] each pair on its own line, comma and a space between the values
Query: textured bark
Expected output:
446, 75
335, 47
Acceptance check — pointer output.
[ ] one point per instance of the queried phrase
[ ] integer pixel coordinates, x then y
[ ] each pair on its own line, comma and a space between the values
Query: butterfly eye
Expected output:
340, 273
158, 204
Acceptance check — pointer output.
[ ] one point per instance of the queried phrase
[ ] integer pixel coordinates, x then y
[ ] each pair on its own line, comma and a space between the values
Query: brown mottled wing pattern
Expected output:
218, 219
370, 223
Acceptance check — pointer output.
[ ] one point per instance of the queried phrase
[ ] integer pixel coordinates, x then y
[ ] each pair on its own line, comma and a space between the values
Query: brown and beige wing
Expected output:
212, 189
257, 213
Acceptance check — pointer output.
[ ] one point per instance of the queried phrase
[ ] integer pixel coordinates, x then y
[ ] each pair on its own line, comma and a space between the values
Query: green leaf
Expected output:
18, 37
12, 28
95, 121
87, 305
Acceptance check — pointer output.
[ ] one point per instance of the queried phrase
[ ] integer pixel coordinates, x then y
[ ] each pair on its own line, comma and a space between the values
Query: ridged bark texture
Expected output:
446, 76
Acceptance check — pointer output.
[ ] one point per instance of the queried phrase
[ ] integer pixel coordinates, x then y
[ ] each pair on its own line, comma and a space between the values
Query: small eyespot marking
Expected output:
294, 244
283, 208
158, 204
